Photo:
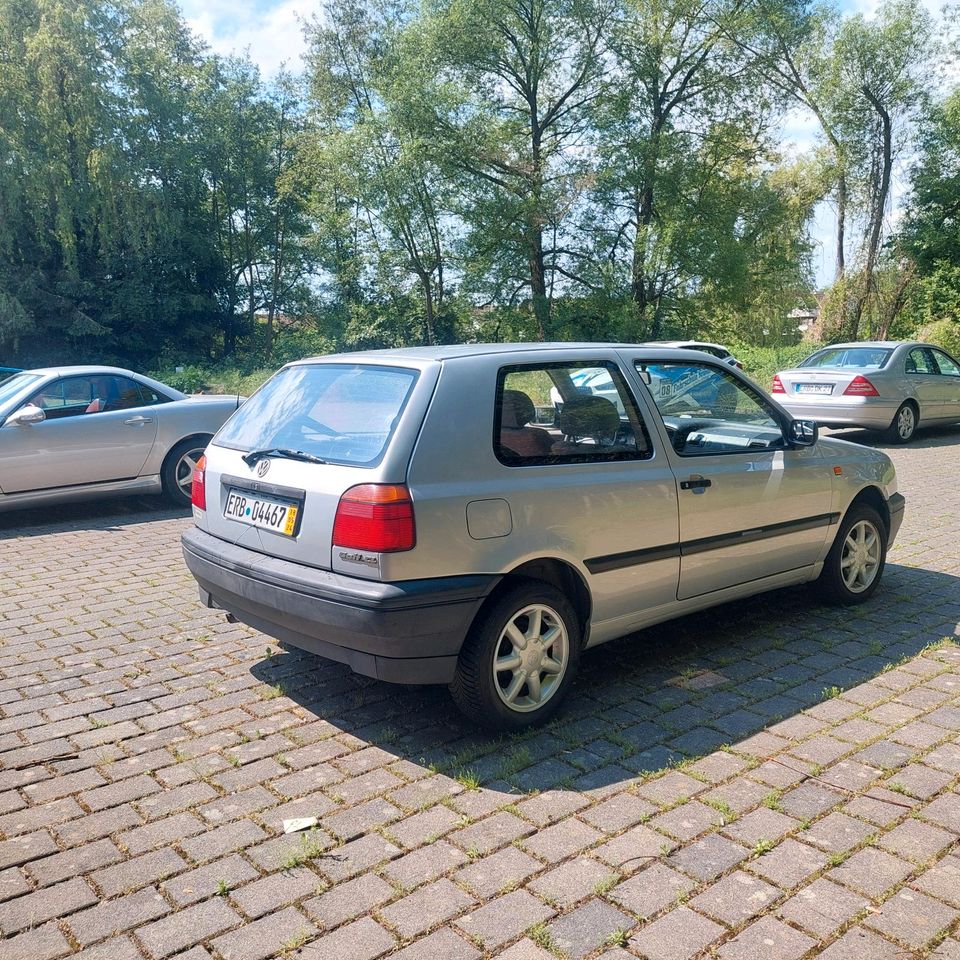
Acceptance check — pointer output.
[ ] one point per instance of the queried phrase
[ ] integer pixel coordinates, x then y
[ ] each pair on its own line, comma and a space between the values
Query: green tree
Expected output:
507, 95
356, 74
285, 277
930, 233
101, 195
793, 46
880, 74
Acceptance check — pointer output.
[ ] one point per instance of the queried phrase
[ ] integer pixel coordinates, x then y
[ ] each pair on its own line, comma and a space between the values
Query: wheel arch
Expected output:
909, 401
199, 435
873, 497
558, 573
191, 437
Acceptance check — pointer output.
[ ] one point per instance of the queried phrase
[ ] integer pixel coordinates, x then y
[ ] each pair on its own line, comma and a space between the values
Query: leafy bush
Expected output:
761, 363
297, 344
942, 333
219, 379
188, 379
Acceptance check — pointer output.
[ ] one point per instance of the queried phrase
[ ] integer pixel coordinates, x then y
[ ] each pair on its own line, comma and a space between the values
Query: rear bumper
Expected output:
867, 412
895, 505
405, 632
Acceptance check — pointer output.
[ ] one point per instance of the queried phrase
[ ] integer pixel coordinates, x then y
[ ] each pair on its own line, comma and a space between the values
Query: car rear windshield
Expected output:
342, 413
854, 358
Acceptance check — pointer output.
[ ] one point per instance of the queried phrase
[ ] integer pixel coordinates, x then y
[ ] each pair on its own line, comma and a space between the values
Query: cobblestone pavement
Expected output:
773, 780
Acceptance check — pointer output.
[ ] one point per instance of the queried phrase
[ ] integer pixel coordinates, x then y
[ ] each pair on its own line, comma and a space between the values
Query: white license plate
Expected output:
260, 512
814, 388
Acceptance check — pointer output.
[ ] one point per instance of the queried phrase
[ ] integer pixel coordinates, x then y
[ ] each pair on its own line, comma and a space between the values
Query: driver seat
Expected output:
587, 422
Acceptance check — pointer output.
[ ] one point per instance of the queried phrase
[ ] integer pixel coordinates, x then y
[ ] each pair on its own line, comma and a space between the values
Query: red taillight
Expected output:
377, 517
198, 490
777, 384
860, 387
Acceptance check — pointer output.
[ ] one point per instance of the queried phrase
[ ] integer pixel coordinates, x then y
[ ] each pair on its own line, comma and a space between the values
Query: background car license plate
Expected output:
814, 388
259, 512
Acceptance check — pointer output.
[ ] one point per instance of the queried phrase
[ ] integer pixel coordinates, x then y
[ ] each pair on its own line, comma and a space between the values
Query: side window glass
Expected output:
708, 411
124, 394
65, 398
566, 413
149, 397
79, 396
108, 393
50, 398
948, 366
920, 361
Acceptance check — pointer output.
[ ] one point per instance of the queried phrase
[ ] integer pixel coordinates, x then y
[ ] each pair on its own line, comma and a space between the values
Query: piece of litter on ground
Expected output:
299, 823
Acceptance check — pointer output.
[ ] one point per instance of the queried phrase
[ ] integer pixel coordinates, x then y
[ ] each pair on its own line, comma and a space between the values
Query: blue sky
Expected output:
270, 31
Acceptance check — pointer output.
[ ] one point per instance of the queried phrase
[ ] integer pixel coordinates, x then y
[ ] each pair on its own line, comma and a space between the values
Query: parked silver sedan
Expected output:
879, 385
75, 433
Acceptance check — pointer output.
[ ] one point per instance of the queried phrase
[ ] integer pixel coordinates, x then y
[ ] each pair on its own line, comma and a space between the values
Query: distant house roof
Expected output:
807, 319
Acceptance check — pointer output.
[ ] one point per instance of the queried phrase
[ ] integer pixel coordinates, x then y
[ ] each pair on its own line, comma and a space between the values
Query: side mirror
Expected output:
644, 375
26, 415
803, 433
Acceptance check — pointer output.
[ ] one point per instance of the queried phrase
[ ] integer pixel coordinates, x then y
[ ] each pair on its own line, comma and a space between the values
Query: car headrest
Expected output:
911, 365
589, 417
518, 410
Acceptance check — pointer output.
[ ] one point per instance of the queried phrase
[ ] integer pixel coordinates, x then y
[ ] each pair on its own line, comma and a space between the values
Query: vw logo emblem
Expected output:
262, 467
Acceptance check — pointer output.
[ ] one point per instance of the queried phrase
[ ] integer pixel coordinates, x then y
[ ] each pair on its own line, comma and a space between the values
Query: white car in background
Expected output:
76, 433
714, 349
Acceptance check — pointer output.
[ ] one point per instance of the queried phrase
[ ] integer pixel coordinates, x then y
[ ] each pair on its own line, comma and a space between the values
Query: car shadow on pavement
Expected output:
924, 439
87, 515
649, 701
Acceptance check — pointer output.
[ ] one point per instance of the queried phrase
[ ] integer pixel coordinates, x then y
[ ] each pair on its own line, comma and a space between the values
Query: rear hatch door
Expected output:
361, 418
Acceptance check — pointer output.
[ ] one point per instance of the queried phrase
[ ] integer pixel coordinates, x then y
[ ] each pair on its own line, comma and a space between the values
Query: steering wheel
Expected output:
680, 434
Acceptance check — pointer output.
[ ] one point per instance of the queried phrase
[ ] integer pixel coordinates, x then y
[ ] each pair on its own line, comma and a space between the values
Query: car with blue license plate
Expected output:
894, 387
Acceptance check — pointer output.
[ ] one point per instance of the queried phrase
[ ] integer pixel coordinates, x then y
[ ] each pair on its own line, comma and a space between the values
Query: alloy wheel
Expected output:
531, 658
861, 556
183, 472
906, 422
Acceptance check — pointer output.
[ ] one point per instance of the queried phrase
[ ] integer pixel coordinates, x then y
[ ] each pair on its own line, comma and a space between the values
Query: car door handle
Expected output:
696, 483
136, 421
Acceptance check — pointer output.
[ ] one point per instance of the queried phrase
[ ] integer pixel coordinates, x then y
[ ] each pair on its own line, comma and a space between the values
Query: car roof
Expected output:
81, 370
885, 344
683, 343
459, 351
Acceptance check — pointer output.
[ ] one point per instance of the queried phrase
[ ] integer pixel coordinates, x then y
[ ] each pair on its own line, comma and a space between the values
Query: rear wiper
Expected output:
255, 456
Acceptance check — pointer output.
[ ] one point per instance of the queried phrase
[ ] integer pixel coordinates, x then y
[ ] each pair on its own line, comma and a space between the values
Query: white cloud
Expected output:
272, 33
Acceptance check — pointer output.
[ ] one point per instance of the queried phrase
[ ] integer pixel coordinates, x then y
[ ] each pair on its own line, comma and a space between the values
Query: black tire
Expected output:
903, 427
831, 584
474, 688
174, 491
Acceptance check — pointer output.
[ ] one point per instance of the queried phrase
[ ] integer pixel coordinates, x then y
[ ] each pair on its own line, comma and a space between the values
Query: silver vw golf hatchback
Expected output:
478, 515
